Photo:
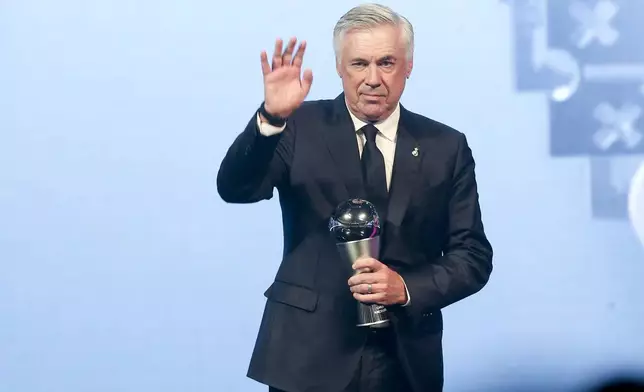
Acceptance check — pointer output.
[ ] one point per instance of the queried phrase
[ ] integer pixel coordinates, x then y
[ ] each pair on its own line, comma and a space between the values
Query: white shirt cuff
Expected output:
268, 129
407, 290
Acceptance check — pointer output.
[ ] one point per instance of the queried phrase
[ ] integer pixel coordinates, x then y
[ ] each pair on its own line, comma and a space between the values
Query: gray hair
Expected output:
368, 16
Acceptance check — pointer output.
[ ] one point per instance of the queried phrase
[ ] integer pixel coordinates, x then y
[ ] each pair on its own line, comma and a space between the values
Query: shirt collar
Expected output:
388, 127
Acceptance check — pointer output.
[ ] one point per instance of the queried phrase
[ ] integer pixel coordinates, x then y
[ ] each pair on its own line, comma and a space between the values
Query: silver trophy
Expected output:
355, 225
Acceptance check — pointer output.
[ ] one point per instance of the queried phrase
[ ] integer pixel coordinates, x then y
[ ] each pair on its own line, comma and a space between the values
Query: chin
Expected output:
373, 111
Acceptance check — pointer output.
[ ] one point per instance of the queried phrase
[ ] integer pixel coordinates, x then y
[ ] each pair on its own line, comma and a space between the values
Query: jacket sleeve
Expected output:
466, 263
255, 164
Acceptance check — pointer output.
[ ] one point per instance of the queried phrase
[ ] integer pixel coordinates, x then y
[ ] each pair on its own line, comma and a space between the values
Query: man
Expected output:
420, 174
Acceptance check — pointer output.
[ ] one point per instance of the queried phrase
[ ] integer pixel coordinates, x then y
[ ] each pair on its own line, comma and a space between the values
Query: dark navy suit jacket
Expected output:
433, 237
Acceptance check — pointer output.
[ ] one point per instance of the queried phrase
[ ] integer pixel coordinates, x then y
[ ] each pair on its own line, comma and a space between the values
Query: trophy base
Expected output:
372, 315
377, 324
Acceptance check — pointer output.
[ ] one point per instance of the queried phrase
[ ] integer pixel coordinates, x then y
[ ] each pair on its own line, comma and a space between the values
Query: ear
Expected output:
410, 66
338, 68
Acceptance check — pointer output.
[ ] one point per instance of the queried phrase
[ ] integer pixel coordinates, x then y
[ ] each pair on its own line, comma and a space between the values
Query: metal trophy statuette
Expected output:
355, 225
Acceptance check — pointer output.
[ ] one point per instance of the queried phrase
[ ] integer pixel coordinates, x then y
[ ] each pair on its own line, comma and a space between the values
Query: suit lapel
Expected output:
406, 168
342, 144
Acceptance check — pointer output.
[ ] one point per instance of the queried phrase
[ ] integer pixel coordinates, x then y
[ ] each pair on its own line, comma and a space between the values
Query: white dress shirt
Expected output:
385, 140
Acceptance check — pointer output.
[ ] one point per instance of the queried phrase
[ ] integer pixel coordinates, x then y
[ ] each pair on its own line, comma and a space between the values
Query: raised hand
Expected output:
284, 90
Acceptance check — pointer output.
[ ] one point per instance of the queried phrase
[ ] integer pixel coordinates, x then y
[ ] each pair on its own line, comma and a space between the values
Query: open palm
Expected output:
285, 86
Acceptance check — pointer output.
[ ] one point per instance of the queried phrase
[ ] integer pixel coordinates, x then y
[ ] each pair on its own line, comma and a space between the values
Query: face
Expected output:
374, 69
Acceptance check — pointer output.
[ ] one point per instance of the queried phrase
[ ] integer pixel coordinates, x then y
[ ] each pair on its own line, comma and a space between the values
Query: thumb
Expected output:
307, 80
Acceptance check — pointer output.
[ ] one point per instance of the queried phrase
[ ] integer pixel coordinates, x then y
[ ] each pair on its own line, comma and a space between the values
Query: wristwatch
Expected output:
272, 120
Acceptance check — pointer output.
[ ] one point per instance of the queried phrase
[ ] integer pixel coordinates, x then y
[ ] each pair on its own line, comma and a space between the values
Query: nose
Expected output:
373, 76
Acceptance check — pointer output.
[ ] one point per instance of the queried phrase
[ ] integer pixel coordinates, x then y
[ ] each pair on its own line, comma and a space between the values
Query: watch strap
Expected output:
272, 119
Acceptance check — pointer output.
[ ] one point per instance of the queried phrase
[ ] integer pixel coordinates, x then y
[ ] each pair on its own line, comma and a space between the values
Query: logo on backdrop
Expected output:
587, 56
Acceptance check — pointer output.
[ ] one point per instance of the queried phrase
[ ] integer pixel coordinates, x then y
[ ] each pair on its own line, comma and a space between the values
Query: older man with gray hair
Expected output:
364, 144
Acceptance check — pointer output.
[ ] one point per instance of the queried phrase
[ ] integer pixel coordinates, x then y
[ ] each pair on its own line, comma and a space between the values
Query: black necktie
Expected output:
373, 169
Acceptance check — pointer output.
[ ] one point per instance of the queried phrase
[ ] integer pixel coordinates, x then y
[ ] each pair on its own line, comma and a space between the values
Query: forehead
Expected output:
373, 42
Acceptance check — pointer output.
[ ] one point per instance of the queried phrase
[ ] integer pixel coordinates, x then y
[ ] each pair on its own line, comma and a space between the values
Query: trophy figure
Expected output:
356, 227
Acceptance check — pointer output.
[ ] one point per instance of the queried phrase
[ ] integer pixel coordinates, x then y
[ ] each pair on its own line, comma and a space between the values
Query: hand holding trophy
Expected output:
355, 224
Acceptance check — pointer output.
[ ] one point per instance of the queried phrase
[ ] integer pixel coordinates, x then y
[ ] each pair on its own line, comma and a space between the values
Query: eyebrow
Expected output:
385, 58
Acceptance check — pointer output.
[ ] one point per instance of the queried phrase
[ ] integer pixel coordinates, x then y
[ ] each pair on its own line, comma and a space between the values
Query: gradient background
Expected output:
122, 270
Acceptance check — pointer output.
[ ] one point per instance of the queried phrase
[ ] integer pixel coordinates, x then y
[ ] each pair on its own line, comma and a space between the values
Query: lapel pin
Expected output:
415, 152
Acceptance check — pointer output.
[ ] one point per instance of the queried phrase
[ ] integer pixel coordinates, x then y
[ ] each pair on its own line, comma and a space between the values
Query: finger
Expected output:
277, 54
363, 271
367, 262
288, 53
364, 288
377, 298
366, 278
299, 55
307, 80
266, 68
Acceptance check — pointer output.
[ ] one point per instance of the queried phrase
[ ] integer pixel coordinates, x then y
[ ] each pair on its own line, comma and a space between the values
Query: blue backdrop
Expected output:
120, 267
